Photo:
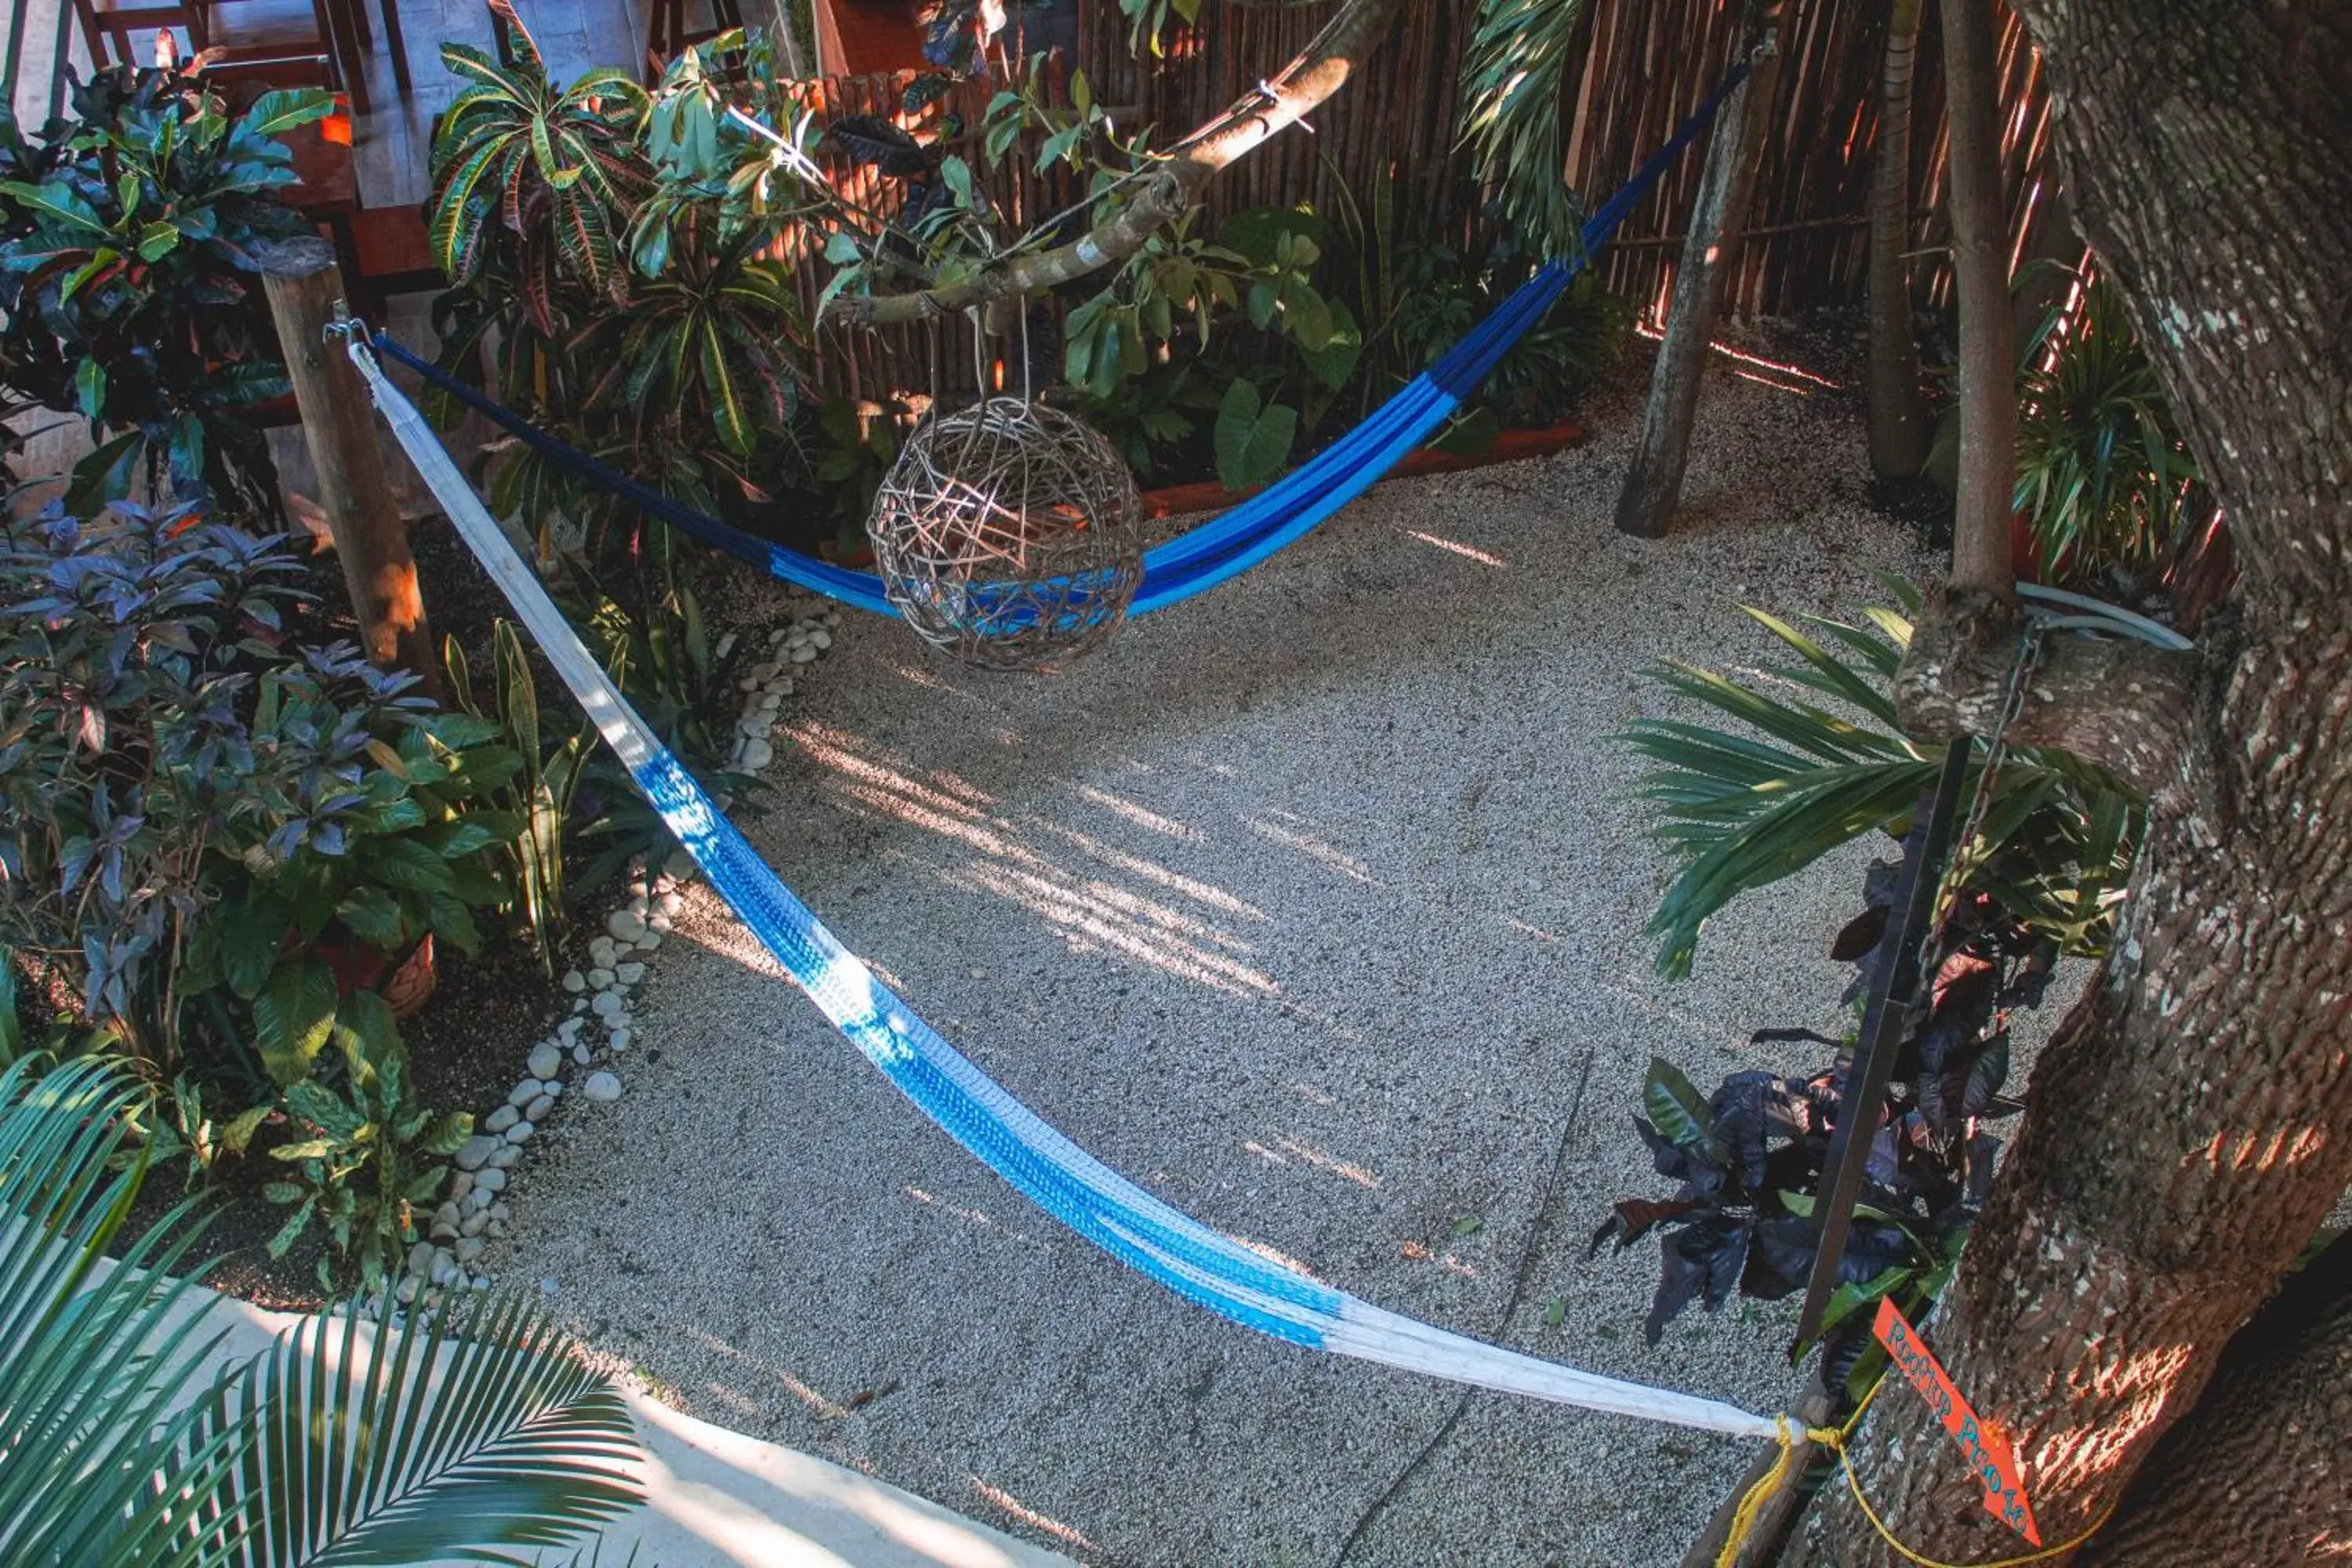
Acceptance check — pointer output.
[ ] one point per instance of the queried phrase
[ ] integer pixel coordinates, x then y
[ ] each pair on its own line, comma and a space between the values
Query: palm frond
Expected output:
451, 1440
1741, 812
455, 1438
107, 1460
1514, 87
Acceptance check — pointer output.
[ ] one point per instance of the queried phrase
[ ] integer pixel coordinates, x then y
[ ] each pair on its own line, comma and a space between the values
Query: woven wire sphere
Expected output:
1009, 535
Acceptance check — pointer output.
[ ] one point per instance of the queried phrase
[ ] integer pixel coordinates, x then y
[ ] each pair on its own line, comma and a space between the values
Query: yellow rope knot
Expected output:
1834, 1438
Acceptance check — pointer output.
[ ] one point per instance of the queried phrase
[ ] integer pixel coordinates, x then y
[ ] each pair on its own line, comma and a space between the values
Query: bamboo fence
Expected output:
1642, 67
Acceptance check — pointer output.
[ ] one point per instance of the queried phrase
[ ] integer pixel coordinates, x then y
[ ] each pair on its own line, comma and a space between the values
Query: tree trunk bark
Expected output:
2191, 1123
1653, 482
1899, 419
1981, 554
2253, 1477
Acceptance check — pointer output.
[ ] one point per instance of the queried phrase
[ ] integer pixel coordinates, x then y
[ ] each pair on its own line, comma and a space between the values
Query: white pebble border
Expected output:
477, 1210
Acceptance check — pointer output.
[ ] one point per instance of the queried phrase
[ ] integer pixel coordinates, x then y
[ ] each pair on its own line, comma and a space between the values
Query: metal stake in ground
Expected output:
1891, 990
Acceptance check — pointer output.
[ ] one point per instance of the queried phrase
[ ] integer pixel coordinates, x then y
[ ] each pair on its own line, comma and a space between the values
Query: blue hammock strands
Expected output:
1191, 1259
1236, 539
1201, 1265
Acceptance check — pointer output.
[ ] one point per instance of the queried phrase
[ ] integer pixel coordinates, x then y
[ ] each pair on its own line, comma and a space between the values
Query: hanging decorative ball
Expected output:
1009, 535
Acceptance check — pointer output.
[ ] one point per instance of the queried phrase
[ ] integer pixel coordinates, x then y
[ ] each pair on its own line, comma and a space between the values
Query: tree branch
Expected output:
1302, 85
2128, 707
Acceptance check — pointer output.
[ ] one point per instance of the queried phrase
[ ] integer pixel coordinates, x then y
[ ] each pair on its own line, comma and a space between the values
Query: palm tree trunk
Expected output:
1981, 555
1898, 422
1654, 482
2191, 1125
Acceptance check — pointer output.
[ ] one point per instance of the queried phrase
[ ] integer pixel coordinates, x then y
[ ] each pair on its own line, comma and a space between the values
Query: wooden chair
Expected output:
106, 23
668, 35
395, 44
336, 30
244, 73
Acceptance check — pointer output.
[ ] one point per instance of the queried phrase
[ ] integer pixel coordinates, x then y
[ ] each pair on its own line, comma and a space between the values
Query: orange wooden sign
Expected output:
1989, 1456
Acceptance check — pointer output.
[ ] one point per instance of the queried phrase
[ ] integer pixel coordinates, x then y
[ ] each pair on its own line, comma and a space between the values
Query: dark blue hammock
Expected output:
1234, 539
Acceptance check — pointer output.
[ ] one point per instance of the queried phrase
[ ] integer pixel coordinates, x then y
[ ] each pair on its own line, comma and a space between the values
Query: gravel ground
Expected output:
1317, 906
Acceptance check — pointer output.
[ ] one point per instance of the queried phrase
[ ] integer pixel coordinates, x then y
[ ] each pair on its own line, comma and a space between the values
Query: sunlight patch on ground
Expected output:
1119, 807
997, 1498
1314, 849
1455, 547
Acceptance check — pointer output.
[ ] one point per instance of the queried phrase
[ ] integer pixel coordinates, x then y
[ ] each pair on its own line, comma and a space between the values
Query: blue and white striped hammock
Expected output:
1201, 1265
1178, 1252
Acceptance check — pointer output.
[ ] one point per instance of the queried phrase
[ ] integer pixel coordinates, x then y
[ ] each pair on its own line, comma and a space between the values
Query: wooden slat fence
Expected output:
1642, 66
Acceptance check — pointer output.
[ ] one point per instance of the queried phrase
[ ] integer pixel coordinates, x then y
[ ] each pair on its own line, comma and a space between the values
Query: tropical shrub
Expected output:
128, 236
619, 268
194, 804
474, 1433
1742, 808
2103, 478
216, 842
1443, 293
1750, 1158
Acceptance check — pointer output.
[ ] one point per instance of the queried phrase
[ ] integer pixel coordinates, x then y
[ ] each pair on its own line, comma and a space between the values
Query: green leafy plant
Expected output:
365, 1159
127, 287
1442, 293
1514, 87
1744, 807
467, 1434
1140, 349
540, 793
1147, 21
534, 174
849, 457
221, 843
614, 250
2102, 475
1752, 1157
196, 806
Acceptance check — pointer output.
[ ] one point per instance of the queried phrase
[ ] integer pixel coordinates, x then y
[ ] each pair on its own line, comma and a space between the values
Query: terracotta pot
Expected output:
404, 986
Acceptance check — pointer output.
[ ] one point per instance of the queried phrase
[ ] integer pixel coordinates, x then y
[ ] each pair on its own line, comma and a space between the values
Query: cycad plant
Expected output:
464, 1438
1744, 807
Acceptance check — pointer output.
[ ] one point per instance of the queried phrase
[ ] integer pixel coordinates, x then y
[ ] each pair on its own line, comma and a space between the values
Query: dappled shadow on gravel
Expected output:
1316, 906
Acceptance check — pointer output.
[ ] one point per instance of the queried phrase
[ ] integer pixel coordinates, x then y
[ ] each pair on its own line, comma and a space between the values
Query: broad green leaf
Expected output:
957, 175
58, 201
90, 388
246, 942
292, 1016
1343, 346
1677, 1109
275, 113
1252, 438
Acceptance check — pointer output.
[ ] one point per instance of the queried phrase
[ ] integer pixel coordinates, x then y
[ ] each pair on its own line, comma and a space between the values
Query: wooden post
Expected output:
1982, 559
1654, 484
1899, 415
306, 294
1771, 1528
